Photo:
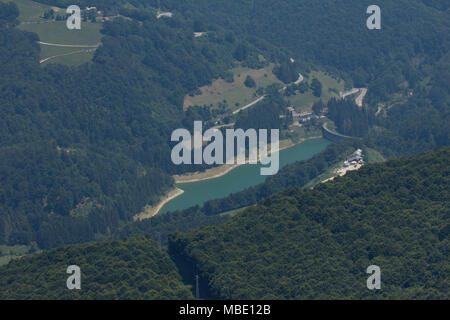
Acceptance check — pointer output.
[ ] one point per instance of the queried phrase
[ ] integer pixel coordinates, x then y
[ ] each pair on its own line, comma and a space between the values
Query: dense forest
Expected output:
420, 122
350, 119
128, 270
317, 244
410, 114
409, 29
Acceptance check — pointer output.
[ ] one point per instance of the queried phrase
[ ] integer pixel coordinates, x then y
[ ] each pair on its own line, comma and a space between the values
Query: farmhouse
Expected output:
355, 159
305, 117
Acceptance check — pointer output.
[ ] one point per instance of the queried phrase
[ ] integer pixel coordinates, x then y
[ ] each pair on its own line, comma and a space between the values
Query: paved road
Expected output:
299, 80
360, 98
250, 104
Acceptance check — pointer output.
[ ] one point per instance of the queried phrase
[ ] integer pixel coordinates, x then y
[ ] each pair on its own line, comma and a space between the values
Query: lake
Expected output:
242, 177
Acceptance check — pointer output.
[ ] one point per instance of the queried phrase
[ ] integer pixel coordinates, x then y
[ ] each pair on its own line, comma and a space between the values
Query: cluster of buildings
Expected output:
307, 116
301, 118
101, 18
356, 159
353, 163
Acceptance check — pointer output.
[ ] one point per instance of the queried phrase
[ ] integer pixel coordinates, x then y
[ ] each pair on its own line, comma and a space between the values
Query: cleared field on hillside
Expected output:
57, 32
29, 10
7, 253
304, 102
235, 92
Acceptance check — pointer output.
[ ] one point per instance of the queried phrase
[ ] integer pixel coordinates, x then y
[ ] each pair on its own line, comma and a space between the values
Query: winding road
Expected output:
359, 99
298, 81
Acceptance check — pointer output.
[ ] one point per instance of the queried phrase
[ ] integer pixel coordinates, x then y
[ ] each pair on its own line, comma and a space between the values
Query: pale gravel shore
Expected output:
218, 172
206, 175
151, 211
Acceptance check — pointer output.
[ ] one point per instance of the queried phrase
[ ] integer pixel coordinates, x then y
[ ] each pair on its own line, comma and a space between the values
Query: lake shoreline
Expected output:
151, 211
226, 168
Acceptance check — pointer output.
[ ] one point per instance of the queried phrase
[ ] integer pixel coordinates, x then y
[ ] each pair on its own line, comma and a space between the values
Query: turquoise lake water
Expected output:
244, 176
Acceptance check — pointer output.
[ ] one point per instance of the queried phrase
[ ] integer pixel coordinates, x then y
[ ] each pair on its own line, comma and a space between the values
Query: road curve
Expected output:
298, 81
65, 54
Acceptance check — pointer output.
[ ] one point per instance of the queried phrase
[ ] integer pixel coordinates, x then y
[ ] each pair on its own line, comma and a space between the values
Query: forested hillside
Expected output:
83, 149
317, 244
297, 174
70, 143
332, 33
297, 244
394, 63
131, 269
420, 122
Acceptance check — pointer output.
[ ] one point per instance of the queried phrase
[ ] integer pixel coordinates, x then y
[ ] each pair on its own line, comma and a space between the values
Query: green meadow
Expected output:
304, 102
30, 11
56, 32
7, 253
235, 93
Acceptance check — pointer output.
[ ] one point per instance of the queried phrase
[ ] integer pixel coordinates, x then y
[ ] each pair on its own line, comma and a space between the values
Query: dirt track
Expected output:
65, 54
68, 45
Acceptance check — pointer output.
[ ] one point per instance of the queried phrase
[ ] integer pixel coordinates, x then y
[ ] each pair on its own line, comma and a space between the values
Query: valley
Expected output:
88, 127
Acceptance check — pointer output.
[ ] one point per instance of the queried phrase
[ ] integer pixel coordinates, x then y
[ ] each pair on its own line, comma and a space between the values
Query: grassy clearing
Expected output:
7, 253
330, 124
14, 250
75, 59
331, 172
66, 56
57, 32
234, 212
30, 11
304, 102
235, 94
297, 134
5, 260
373, 156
